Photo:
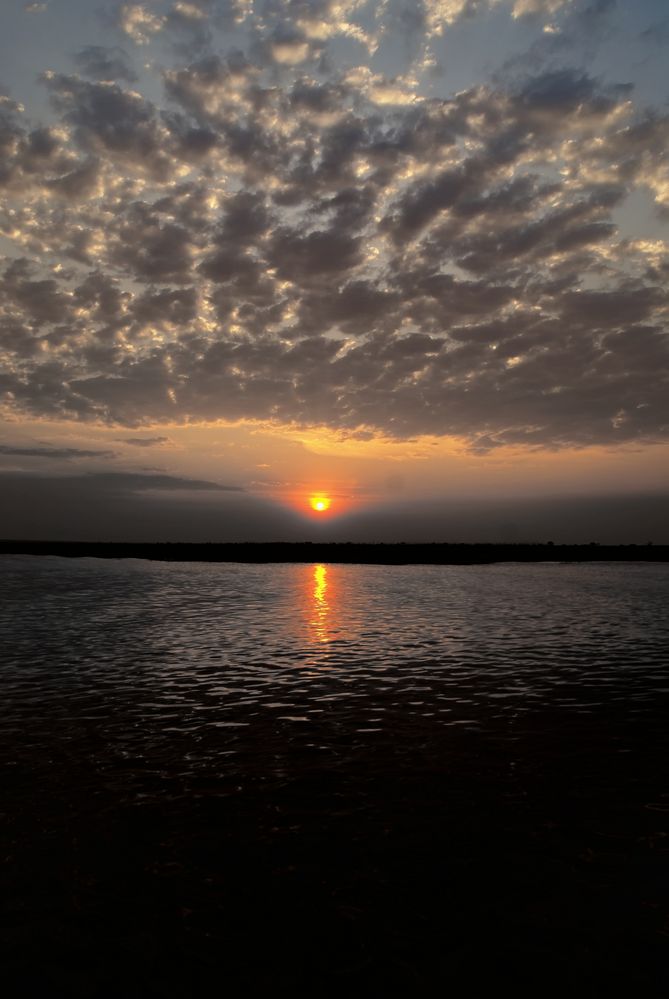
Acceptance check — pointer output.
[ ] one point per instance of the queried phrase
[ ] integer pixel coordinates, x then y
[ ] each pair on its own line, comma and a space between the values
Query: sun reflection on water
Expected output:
321, 612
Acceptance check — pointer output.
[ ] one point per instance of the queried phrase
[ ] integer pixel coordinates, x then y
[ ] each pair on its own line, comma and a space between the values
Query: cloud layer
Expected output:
291, 234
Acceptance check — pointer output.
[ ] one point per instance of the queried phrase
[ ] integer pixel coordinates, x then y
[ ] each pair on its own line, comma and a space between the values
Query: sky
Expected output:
412, 257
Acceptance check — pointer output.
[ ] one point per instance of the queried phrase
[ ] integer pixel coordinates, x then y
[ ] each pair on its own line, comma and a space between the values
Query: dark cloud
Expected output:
212, 87
112, 122
144, 441
140, 482
562, 90
65, 453
31, 157
296, 255
581, 29
165, 307
151, 248
101, 63
38, 301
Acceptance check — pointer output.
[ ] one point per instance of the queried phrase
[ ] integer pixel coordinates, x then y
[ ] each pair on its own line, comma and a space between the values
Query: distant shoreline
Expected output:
342, 552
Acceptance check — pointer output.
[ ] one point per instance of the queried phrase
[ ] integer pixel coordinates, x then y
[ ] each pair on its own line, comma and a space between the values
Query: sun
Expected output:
319, 503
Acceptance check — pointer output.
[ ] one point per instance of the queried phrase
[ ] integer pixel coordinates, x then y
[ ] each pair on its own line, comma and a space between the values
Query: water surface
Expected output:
393, 753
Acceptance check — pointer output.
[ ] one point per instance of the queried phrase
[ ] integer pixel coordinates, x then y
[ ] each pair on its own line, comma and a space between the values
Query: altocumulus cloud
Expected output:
291, 236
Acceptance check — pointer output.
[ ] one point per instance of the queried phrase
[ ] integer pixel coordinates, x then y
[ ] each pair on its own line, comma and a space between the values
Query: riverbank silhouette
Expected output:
342, 552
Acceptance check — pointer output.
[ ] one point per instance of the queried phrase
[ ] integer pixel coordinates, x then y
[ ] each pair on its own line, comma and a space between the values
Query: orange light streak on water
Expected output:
321, 623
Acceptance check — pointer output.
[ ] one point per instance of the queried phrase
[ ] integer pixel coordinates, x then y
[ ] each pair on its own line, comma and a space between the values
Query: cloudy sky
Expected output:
410, 254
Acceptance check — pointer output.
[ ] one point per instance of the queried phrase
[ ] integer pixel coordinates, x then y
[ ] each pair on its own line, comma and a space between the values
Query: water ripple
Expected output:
195, 670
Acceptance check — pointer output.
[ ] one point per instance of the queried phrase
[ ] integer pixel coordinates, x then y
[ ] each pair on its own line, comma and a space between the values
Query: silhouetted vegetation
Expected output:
352, 553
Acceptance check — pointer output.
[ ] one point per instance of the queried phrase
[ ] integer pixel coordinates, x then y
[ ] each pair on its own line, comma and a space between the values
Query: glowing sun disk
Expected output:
319, 503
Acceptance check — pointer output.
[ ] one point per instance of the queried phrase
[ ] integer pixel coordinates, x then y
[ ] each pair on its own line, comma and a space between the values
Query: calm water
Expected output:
345, 734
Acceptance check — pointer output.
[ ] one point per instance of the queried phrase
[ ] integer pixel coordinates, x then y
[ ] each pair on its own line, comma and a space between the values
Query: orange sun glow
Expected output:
319, 503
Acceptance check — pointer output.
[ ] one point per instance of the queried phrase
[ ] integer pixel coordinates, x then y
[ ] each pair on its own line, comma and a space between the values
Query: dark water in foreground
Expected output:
223, 777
